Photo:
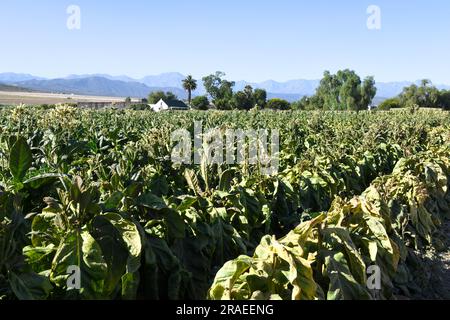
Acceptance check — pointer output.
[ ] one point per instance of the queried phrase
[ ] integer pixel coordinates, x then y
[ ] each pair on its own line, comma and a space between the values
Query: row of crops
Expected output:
98, 190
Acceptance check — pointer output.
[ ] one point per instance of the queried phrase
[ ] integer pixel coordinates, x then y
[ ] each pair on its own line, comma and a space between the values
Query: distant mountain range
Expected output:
12, 88
10, 77
124, 86
95, 86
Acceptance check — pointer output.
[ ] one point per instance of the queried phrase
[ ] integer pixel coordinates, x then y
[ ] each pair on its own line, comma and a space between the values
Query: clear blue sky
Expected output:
253, 40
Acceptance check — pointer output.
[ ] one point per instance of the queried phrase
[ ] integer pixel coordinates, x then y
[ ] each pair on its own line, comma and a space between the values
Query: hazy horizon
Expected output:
99, 74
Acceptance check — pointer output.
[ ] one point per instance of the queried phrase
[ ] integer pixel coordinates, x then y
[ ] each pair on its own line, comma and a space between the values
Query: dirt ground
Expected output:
433, 278
442, 266
36, 98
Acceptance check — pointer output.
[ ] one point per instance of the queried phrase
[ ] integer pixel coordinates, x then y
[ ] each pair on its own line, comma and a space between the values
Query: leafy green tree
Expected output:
328, 91
424, 96
127, 100
344, 91
242, 100
368, 92
349, 93
278, 104
393, 103
226, 90
315, 102
155, 96
212, 84
444, 99
248, 90
301, 104
222, 104
219, 89
260, 97
200, 103
189, 84
249, 98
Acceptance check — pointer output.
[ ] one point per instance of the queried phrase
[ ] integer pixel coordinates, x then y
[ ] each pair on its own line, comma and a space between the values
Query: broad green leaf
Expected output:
80, 250
355, 261
192, 181
42, 180
186, 203
225, 280
46, 228
30, 286
175, 223
343, 285
151, 201
113, 202
39, 258
20, 159
130, 235
225, 179
114, 252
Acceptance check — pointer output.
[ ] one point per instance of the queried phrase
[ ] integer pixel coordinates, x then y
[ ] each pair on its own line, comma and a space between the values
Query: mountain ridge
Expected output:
123, 86
96, 86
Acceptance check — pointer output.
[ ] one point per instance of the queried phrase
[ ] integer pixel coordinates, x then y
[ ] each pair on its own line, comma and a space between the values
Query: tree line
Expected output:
425, 95
344, 90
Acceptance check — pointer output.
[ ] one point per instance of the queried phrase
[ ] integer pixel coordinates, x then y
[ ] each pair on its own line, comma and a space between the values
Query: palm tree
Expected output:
189, 84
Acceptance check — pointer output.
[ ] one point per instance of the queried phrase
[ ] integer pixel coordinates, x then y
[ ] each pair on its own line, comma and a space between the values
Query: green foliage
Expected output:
140, 107
154, 97
189, 84
329, 255
20, 159
200, 103
245, 100
388, 104
242, 100
97, 190
219, 89
260, 98
299, 105
278, 104
342, 91
423, 96
222, 104
444, 99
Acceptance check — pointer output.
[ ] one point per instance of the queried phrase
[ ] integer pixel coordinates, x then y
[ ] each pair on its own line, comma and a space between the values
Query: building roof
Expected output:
176, 104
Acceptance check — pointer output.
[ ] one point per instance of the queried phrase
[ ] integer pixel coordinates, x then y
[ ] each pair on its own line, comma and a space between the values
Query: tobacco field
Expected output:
98, 190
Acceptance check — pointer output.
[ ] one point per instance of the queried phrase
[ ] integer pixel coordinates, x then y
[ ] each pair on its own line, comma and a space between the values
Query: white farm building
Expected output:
162, 105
